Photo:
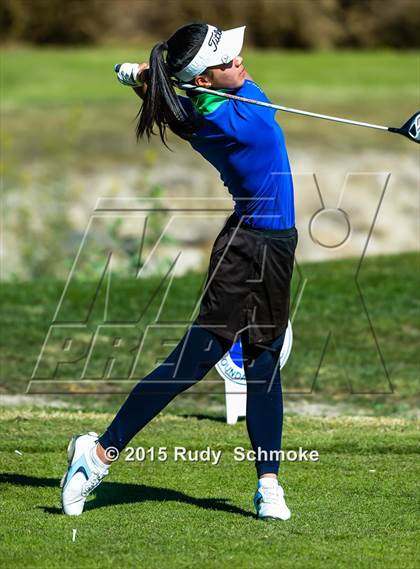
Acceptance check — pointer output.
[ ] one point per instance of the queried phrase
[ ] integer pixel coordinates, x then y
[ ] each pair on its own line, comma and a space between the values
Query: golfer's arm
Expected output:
143, 76
141, 91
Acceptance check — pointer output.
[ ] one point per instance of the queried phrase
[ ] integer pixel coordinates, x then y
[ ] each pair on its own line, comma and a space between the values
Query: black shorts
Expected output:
247, 288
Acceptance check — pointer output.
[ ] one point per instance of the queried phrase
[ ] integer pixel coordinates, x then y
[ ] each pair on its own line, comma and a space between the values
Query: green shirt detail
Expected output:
206, 103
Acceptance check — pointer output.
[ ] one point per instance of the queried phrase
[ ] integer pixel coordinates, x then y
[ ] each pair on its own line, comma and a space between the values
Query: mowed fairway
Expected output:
356, 507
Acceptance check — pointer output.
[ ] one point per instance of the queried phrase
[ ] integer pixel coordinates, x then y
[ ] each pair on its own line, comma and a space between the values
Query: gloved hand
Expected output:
128, 74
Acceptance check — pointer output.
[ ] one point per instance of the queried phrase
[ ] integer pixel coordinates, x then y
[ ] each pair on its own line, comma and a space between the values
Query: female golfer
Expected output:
247, 291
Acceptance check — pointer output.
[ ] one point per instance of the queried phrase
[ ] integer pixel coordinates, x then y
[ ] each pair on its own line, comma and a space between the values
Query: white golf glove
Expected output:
128, 74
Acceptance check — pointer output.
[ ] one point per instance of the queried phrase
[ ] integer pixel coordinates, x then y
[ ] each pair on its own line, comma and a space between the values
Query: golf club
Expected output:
410, 129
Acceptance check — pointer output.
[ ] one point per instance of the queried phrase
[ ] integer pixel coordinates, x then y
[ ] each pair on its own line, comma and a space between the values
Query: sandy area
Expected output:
342, 197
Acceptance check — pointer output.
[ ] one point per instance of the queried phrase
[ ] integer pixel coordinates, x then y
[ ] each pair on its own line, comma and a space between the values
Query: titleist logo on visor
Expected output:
218, 47
215, 38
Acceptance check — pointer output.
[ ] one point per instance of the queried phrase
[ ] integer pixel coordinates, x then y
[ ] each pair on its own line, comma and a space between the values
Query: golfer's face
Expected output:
226, 75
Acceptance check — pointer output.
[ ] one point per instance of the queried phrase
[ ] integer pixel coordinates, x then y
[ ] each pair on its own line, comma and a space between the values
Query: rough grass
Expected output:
340, 352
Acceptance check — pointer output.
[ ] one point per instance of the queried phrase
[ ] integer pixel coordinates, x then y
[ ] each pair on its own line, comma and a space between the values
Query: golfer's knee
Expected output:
199, 350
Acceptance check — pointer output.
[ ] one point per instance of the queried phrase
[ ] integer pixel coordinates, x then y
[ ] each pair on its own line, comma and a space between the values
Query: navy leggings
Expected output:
194, 356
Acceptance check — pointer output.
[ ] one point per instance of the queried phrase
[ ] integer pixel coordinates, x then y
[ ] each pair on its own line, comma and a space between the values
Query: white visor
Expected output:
217, 48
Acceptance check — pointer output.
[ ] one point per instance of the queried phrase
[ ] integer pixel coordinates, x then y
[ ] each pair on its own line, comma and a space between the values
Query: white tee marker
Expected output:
74, 535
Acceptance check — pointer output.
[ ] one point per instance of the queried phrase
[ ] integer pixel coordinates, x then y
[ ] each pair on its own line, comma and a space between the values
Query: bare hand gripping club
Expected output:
410, 129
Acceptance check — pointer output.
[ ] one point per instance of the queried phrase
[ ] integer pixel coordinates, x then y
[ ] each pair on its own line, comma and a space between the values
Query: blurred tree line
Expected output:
300, 24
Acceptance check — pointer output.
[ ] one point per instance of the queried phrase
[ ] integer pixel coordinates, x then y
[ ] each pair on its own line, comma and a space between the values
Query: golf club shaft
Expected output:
186, 86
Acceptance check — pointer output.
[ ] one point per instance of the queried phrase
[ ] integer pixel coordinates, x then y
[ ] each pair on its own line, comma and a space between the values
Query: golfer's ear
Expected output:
202, 81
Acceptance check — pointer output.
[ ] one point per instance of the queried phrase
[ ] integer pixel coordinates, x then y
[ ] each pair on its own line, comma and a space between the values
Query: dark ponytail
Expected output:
161, 105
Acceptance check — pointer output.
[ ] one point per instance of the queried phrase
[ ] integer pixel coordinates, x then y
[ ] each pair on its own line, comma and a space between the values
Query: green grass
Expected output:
330, 314
356, 507
79, 76
48, 92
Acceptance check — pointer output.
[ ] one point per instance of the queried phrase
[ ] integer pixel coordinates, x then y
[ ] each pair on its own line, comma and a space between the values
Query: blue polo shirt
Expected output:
246, 145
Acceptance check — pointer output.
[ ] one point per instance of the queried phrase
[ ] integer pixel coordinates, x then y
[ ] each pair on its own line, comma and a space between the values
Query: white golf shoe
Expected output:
83, 474
269, 502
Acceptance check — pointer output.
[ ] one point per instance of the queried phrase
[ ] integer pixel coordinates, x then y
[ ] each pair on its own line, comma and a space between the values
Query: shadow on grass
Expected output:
201, 416
114, 493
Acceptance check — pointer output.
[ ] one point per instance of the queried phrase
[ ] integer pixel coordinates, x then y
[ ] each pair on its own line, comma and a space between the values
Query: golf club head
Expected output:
410, 129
